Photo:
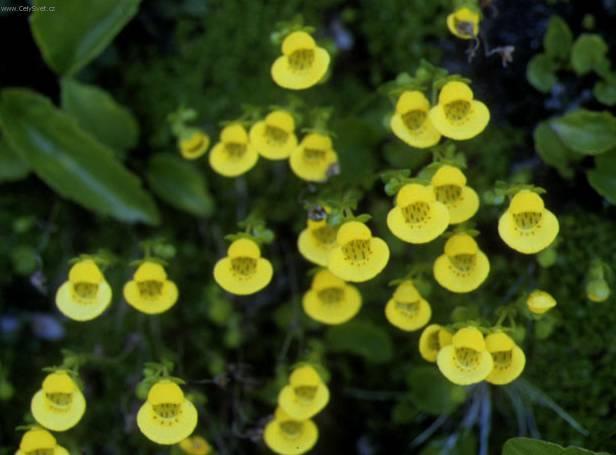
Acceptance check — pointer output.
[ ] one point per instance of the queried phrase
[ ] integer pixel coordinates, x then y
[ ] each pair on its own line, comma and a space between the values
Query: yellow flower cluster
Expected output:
292, 430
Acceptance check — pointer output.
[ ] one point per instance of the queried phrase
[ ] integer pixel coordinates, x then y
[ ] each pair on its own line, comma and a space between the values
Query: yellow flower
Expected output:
464, 23
274, 138
313, 158
39, 441
243, 271
305, 395
450, 188
195, 445
539, 302
316, 241
302, 65
417, 217
287, 436
330, 300
411, 122
407, 309
509, 359
150, 291
597, 290
358, 256
167, 417
86, 294
233, 155
527, 226
457, 115
59, 404
433, 338
463, 267
466, 360
194, 144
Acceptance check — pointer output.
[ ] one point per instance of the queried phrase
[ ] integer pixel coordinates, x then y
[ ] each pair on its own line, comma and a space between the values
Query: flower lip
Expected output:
165, 392
297, 41
414, 192
526, 201
244, 248
353, 230
448, 175
469, 337
58, 382
85, 271
459, 244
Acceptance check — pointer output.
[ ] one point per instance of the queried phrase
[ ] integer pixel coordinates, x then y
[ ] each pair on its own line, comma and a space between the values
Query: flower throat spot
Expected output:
59, 401
275, 135
357, 251
291, 428
325, 234
416, 213
433, 341
466, 358
243, 267
502, 359
305, 393
462, 263
331, 296
235, 150
415, 119
301, 60
194, 148
448, 194
41, 451
465, 28
85, 292
150, 289
408, 310
168, 413
314, 155
526, 221
457, 112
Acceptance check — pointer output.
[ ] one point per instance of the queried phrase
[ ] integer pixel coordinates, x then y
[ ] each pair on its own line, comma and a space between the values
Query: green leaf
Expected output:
100, 115
587, 132
589, 54
527, 446
75, 32
558, 39
12, 167
552, 150
70, 161
362, 338
431, 392
178, 183
603, 178
541, 73
605, 92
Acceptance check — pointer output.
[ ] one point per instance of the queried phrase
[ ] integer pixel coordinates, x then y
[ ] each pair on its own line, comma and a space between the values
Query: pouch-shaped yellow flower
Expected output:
302, 63
167, 417
411, 122
86, 294
233, 154
457, 115
195, 445
539, 302
330, 300
450, 188
358, 256
59, 405
243, 271
432, 339
466, 360
150, 291
194, 144
313, 158
527, 226
316, 241
287, 436
305, 395
464, 23
509, 359
417, 216
274, 138
407, 309
39, 441
463, 267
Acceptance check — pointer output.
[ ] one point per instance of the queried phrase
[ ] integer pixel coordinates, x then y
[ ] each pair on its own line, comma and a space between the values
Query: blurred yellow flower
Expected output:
464, 23
432, 339
195, 445
86, 294
330, 300
466, 360
287, 436
407, 309
302, 65
358, 256
233, 155
463, 267
167, 417
316, 241
509, 359
194, 144
450, 188
243, 271
527, 226
411, 122
305, 395
39, 441
274, 138
417, 216
59, 405
150, 291
539, 302
457, 115
313, 158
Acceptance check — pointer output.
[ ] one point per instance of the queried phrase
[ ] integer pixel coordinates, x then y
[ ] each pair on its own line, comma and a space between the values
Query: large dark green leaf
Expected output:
71, 161
541, 73
603, 177
178, 183
76, 31
589, 54
587, 132
12, 167
362, 338
100, 115
552, 150
558, 39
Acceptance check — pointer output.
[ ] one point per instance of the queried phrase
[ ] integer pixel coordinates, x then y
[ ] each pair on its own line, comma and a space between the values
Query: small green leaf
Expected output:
603, 181
589, 54
180, 184
100, 115
70, 161
558, 39
587, 132
605, 92
12, 167
552, 150
75, 32
527, 446
362, 338
541, 73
